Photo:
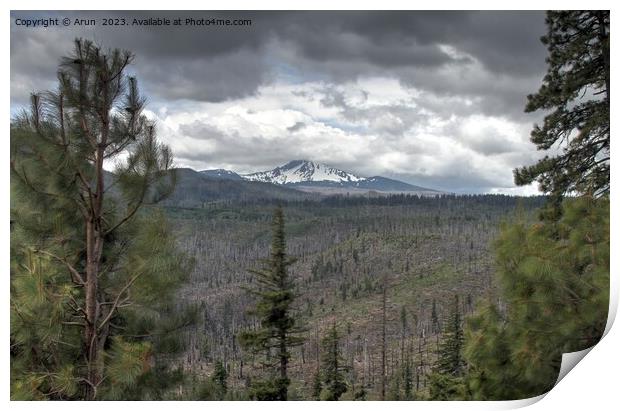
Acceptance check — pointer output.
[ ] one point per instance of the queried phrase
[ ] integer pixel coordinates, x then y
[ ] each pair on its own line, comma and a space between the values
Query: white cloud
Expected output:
373, 126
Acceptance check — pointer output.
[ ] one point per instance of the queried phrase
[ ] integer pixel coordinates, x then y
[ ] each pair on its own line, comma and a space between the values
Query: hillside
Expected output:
194, 189
427, 249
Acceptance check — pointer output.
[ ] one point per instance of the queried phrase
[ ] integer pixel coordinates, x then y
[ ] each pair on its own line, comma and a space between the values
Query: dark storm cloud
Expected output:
435, 70
218, 63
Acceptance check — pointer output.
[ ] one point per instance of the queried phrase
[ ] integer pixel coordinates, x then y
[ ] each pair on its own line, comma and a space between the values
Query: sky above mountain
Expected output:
431, 98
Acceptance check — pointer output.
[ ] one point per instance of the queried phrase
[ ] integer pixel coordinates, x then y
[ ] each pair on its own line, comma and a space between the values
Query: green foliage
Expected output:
278, 330
394, 388
81, 238
360, 393
125, 362
408, 380
274, 389
317, 386
219, 379
449, 357
332, 367
556, 289
446, 380
576, 93
215, 388
444, 387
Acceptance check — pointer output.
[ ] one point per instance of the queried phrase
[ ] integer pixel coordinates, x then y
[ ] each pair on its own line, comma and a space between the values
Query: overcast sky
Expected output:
431, 98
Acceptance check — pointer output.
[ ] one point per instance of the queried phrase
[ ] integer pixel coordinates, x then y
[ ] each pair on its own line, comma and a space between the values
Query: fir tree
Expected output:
408, 379
278, 330
450, 359
333, 368
576, 91
446, 380
90, 276
317, 386
219, 380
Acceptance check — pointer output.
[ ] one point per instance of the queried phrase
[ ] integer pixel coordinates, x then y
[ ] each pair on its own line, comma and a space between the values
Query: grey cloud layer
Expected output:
460, 64
218, 63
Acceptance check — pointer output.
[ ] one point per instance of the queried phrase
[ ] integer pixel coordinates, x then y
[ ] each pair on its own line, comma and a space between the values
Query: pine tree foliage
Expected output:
556, 289
92, 277
450, 357
317, 386
408, 380
576, 92
218, 386
446, 381
554, 275
333, 367
278, 331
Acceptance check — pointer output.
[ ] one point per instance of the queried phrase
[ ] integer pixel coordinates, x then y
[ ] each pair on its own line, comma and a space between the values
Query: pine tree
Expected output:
576, 91
90, 273
333, 367
450, 359
317, 386
408, 379
446, 380
556, 289
219, 380
278, 330
554, 275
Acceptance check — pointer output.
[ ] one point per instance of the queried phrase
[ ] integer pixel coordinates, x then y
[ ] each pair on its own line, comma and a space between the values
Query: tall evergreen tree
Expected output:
333, 367
450, 357
557, 294
408, 379
219, 380
576, 91
317, 386
446, 381
90, 277
554, 275
278, 332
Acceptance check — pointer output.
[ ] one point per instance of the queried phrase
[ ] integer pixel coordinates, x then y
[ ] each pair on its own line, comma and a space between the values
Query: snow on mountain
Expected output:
301, 171
317, 177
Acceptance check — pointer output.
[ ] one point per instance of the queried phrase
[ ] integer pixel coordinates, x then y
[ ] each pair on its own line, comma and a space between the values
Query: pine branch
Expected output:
76, 276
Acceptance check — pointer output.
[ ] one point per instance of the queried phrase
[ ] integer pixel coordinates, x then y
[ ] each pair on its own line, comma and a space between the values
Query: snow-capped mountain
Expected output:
302, 171
316, 177
320, 178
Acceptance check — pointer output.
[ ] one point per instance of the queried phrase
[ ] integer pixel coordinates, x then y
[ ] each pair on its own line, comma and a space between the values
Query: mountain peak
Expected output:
318, 177
295, 163
300, 171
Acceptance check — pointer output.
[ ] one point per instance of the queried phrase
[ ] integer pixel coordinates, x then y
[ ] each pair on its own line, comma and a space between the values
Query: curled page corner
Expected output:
569, 361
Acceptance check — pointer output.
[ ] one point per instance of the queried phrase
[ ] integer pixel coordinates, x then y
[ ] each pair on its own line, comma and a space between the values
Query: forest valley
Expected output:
141, 284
